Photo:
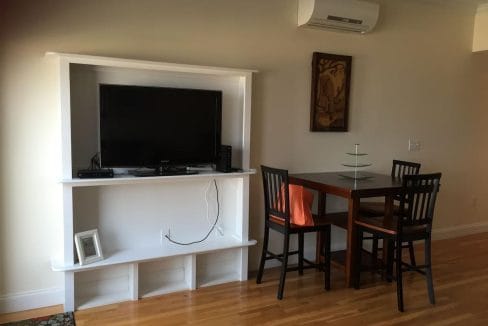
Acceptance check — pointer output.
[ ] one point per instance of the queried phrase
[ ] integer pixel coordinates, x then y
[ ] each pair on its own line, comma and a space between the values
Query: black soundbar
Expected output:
95, 173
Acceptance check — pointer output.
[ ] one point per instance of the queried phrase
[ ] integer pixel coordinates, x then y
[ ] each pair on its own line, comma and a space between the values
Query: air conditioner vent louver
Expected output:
345, 15
345, 20
336, 27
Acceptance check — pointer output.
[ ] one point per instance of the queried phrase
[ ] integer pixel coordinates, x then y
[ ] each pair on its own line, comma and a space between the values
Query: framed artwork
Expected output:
329, 105
88, 247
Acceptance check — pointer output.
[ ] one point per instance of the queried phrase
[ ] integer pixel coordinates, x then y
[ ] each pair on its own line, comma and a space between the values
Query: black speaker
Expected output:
224, 161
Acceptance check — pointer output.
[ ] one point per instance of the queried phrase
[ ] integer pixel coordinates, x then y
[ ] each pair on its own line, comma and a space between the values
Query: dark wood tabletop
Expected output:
335, 183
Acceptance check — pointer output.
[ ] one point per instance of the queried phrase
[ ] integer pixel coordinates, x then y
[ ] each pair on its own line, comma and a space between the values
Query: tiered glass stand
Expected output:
356, 164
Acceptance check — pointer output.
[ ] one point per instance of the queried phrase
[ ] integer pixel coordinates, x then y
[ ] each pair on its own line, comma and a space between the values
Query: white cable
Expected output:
207, 203
207, 192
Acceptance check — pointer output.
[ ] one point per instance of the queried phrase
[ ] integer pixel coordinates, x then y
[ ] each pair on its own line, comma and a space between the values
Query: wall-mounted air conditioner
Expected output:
345, 15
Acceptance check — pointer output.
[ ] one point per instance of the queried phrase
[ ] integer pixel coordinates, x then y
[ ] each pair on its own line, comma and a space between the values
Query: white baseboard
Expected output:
31, 300
459, 231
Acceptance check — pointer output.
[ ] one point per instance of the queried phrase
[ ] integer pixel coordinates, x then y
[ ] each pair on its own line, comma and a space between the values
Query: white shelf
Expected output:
85, 303
151, 253
128, 179
148, 65
165, 289
210, 280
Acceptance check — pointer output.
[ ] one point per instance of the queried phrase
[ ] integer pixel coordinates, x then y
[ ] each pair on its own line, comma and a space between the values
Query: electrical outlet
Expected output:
413, 145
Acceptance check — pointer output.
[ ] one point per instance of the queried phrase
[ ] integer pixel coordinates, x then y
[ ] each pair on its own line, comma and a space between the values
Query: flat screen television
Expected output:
143, 126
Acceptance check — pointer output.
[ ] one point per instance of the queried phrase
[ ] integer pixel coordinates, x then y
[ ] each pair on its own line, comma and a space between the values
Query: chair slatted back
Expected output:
418, 199
276, 193
402, 168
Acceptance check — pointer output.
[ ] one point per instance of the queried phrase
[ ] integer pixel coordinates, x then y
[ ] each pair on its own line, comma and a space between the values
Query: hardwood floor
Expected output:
460, 280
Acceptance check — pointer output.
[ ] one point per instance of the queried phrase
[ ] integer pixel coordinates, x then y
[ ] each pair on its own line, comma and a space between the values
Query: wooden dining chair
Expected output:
277, 217
412, 222
398, 170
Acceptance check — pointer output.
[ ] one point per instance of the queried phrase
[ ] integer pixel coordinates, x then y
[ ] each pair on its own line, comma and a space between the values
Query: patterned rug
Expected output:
66, 319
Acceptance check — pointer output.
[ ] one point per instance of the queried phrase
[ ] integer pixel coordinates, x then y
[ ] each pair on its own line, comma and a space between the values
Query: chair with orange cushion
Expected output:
288, 211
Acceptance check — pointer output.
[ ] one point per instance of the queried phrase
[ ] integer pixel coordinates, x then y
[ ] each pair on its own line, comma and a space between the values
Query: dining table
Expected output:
353, 188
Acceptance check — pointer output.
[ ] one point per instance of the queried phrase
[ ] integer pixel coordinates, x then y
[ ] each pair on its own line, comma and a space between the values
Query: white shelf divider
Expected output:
134, 281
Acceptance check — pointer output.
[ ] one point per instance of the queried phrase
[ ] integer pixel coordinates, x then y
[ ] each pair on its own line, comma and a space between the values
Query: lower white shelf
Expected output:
210, 280
103, 286
165, 276
213, 269
90, 302
167, 249
165, 289
143, 272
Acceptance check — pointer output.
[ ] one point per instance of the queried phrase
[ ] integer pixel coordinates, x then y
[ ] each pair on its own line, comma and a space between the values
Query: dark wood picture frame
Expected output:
329, 103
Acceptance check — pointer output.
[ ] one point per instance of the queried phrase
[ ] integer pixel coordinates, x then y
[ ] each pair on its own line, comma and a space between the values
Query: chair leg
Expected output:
389, 258
374, 251
300, 253
263, 255
357, 258
428, 270
318, 248
284, 265
327, 254
398, 264
412, 253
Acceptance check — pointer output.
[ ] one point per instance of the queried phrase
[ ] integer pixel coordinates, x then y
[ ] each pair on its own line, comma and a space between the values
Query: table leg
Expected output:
351, 240
320, 237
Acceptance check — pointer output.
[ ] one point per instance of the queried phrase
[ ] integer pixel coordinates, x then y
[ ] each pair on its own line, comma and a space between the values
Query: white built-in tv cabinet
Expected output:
132, 214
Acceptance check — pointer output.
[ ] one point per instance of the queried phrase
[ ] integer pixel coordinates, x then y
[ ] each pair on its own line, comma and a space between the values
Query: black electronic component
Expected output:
224, 161
95, 173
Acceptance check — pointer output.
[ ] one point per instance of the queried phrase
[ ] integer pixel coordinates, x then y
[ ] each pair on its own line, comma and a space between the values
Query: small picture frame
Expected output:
88, 247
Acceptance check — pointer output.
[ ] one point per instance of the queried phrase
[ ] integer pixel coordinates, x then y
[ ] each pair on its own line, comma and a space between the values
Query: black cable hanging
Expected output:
168, 236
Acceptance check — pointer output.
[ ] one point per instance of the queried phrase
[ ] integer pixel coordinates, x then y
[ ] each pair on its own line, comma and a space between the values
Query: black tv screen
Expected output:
143, 126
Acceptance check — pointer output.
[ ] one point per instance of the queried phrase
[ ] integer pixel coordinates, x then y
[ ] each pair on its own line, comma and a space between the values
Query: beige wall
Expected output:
480, 39
414, 76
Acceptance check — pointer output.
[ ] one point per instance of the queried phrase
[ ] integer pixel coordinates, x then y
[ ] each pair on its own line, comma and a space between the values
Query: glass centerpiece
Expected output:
356, 164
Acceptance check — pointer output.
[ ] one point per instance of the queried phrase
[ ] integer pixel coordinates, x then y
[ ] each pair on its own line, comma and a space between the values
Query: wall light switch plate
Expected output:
413, 145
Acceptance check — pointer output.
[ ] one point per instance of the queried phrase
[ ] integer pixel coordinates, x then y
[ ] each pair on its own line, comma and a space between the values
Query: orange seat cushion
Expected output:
301, 201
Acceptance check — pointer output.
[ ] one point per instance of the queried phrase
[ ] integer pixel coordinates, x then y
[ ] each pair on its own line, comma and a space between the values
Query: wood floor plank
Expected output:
460, 280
